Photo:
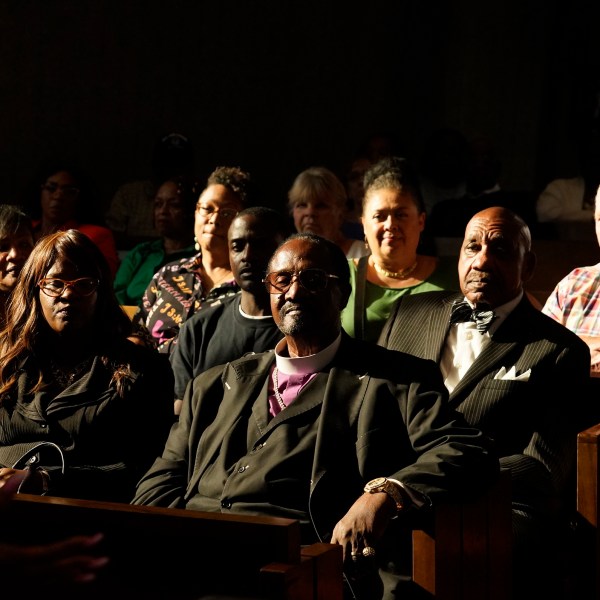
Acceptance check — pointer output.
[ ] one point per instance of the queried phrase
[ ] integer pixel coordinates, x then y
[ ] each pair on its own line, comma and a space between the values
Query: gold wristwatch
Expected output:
383, 484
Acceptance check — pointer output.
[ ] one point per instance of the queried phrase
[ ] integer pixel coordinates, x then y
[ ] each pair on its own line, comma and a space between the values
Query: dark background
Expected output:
277, 86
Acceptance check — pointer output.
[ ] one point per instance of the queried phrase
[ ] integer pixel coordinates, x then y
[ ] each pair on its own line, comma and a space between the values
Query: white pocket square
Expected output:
511, 374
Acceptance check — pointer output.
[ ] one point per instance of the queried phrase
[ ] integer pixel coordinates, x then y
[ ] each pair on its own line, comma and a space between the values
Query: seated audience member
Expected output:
302, 432
575, 302
63, 200
16, 244
130, 215
514, 373
182, 287
241, 323
47, 570
449, 217
94, 407
174, 206
571, 199
443, 166
318, 203
393, 219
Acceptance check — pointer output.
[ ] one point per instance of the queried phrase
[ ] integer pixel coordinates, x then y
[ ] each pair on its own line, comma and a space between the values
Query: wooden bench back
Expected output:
173, 554
467, 554
588, 509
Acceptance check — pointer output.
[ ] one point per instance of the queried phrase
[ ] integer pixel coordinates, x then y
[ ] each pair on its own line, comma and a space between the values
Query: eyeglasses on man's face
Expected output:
54, 287
66, 190
312, 280
208, 211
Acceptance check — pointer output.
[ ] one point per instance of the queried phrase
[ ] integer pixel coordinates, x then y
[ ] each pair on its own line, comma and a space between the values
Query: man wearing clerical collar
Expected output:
340, 434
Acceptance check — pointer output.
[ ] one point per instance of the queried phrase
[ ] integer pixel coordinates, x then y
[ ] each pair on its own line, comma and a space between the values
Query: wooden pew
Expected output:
467, 552
129, 310
173, 554
587, 533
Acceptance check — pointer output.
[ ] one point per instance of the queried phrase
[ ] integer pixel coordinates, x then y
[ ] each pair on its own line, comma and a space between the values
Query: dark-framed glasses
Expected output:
312, 280
54, 287
67, 190
209, 211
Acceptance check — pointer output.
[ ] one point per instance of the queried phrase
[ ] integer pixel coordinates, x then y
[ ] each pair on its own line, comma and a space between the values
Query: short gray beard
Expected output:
292, 326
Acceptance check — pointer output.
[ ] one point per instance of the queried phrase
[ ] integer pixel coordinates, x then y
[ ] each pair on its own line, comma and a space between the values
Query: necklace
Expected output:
278, 397
396, 274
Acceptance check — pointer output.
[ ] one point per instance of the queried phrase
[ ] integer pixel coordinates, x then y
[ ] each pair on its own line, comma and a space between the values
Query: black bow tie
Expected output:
483, 315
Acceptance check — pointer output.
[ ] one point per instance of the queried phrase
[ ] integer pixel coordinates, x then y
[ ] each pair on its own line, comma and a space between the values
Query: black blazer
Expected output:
534, 422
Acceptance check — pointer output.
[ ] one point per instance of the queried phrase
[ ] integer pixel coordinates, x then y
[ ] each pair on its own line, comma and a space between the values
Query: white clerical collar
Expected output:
301, 365
502, 311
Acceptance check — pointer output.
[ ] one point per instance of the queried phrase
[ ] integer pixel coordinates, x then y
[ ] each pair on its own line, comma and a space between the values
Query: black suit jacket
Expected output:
370, 413
534, 422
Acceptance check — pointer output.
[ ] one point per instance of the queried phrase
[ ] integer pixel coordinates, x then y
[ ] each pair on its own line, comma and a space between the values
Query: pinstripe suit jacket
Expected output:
534, 423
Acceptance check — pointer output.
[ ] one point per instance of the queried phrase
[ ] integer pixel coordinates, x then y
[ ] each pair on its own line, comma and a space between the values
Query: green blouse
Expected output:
379, 301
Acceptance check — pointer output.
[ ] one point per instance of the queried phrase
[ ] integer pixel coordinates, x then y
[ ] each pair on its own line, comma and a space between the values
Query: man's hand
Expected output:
363, 525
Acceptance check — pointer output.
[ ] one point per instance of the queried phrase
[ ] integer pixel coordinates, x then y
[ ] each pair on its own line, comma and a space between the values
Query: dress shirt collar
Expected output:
301, 365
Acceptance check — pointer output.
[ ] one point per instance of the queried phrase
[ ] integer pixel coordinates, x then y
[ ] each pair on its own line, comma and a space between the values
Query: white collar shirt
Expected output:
464, 344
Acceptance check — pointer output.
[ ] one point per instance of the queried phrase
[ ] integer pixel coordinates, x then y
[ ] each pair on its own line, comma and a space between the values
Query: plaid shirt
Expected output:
575, 301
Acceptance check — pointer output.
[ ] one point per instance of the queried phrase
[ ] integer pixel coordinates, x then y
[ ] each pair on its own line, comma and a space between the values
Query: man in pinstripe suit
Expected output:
520, 381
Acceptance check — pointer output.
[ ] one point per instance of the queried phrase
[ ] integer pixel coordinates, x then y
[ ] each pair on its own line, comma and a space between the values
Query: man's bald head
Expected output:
496, 258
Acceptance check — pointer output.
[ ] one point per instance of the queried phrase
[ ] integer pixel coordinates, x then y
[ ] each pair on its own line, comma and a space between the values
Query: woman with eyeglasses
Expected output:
174, 206
181, 288
63, 200
393, 219
70, 380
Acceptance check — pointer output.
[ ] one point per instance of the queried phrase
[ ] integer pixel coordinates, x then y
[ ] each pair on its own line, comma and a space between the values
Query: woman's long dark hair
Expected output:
26, 329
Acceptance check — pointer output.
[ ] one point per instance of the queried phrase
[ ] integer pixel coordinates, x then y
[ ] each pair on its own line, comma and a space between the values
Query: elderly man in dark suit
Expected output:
341, 434
511, 371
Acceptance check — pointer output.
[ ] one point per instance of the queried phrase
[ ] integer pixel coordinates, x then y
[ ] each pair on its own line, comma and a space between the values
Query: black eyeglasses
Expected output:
312, 280
67, 190
53, 287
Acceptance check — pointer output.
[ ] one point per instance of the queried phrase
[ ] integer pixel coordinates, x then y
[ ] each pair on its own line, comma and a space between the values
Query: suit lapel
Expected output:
436, 329
342, 399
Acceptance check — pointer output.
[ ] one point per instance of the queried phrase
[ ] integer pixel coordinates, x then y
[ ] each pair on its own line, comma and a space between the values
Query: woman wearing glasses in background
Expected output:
70, 378
62, 199
182, 287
